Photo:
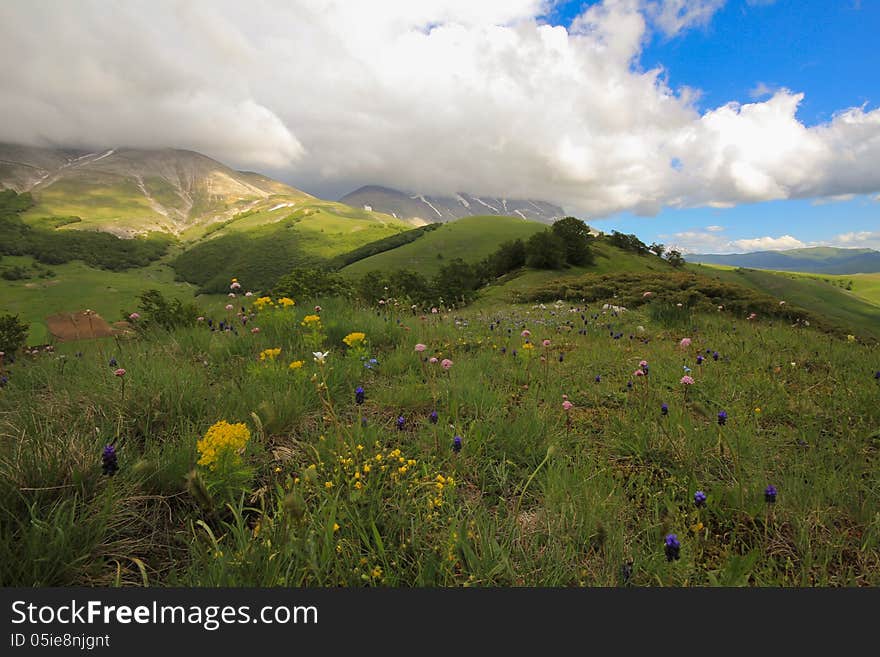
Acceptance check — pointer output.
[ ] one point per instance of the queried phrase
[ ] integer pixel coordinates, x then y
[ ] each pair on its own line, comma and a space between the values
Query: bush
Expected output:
13, 333
310, 283
545, 250
157, 311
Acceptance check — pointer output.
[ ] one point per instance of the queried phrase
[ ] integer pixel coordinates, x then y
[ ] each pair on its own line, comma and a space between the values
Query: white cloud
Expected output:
768, 243
762, 90
707, 241
861, 239
714, 229
436, 96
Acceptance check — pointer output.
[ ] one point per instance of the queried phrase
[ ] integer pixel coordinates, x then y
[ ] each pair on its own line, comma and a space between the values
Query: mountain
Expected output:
434, 209
819, 260
129, 191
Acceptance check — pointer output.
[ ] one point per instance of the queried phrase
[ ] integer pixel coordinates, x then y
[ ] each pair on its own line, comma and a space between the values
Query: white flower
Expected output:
320, 356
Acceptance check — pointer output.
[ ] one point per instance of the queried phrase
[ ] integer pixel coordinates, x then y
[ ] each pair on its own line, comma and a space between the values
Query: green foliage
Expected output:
311, 283
545, 250
627, 242
13, 333
675, 259
575, 234
456, 282
380, 246
158, 312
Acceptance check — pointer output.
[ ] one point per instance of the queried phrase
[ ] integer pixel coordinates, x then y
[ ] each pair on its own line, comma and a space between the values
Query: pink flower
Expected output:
200, 319
685, 343
434, 311
526, 333
231, 295
432, 360
119, 372
546, 343
228, 306
639, 373
134, 316
235, 285
248, 294
317, 309
256, 329
643, 363
752, 316
567, 405
687, 380
446, 363
420, 347
647, 294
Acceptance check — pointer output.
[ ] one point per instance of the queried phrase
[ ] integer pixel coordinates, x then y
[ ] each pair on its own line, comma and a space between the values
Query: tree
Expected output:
575, 234
657, 249
13, 333
309, 283
456, 281
675, 258
509, 256
545, 250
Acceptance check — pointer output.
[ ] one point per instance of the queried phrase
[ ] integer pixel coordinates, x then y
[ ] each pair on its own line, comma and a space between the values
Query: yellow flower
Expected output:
528, 345
354, 339
696, 529
270, 354
328, 484
295, 365
310, 320
222, 438
851, 338
335, 526
262, 302
757, 410
286, 302
377, 572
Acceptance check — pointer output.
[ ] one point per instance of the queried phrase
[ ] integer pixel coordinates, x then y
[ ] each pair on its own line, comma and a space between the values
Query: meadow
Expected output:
551, 444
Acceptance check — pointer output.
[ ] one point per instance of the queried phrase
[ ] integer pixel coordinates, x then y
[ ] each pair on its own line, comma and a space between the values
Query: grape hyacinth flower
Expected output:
699, 499
113, 363
770, 494
672, 547
715, 355
433, 417
456, 444
400, 422
109, 463
359, 395
598, 379
699, 360
722, 418
664, 409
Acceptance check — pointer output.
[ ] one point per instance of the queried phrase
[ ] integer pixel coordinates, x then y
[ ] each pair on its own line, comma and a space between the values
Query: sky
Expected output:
708, 125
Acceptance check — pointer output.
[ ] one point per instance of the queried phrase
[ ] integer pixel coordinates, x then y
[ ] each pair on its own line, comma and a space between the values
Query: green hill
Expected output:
470, 239
820, 259
812, 293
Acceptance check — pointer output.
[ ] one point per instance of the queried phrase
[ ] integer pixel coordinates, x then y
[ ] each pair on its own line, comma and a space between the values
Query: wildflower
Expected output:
561, 358
3, 381
770, 494
647, 294
685, 343
546, 343
851, 338
456, 444
687, 370
751, 316
699, 499
355, 339
248, 294
200, 318
317, 309
235, 285
446, 364
699, 360
359, 395
664, 409
109, 464
433, 417
687, 380
672, 547
120, 372
255, 330
134, 317
757, 409
567, 405
229, 306
598, 379
432, 360
320, 356
221, 440
113, 362
310, 320
722, 418
420, 347
639, 372
270, 354
401, 421
643, 364
877, 375
526, 333
286, 302
296, 364
714, 355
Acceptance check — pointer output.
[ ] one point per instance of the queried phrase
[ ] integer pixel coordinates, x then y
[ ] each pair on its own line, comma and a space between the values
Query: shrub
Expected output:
13, 333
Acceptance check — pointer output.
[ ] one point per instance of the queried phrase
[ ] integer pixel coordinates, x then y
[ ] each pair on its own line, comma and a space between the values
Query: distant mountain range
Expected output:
818, 260
434, 209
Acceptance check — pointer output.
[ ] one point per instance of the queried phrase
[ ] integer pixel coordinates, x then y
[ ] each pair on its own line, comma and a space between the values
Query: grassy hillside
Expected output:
470, 239
841, 307
76, 286
326, 491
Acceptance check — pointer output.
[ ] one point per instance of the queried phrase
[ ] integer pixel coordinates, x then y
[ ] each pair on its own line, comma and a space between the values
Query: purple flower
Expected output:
672, 547
699, 360
433, 417
109, 464
456, 444
113, 363
770, 494
714, 355
359, 395
598, 379
699, 499
664, 409
722, 418
400, 422
3, 381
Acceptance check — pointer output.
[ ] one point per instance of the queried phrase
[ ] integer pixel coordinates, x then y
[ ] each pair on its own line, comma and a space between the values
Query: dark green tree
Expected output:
13, 333
675, 258
545, 250
575, 234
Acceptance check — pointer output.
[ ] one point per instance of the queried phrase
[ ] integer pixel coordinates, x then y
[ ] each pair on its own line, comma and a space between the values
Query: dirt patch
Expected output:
79, 326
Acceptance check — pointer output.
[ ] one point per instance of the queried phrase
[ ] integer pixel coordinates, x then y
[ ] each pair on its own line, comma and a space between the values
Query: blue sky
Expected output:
827, 49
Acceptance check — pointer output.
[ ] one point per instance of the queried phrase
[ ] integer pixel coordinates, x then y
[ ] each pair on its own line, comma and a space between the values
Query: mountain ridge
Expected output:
815, 260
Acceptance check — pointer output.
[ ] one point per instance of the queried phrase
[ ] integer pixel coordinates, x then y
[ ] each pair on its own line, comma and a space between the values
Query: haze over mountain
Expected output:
819, 260
127, 190
434, 209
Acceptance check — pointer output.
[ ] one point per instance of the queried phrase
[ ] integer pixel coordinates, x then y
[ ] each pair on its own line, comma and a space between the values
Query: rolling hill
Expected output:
820, 260
432, 209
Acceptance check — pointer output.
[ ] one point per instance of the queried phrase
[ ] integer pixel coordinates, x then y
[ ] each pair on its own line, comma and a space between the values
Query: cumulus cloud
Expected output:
714, 229
436, 96
858, 239
769, 243
710, 241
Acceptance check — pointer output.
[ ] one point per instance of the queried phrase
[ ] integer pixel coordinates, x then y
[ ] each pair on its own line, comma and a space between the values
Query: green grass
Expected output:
471, 239
846, 309
76, 286
536, 496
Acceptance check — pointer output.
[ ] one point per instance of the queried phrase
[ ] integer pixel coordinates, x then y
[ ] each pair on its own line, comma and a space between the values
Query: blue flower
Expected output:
359, 395
672, 547
598, 379
664, 409
714, 355
770, 494
109, 464
456, 444
113, 363
400, 422
699, 498
722, 418
433, 417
